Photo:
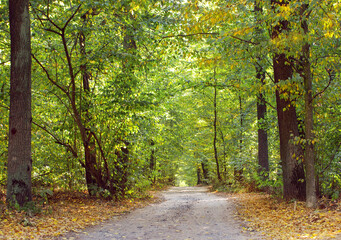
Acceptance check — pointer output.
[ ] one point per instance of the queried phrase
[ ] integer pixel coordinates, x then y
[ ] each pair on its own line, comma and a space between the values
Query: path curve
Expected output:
189, 213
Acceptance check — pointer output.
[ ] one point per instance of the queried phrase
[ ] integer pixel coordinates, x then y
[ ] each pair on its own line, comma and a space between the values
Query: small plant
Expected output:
30, 208
99, 192
44, 195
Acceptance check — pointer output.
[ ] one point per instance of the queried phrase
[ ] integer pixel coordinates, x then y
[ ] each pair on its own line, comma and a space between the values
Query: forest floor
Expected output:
63, 212
179, 213
290, 220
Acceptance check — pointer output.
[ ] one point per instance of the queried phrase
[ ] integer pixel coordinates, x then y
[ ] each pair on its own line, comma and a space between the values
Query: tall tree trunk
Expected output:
19, 146
238, 170
215, 129
224, 154
291, 153
309, 158
127, 81
263, 155
89, 144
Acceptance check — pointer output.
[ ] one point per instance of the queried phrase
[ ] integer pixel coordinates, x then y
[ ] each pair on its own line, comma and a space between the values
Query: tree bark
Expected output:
90, 144
238, 170
309, 158
215, 129
263, 156
263, 150
291, 153
20, 118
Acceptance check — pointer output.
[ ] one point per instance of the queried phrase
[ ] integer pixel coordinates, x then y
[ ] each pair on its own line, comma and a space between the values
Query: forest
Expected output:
113, 98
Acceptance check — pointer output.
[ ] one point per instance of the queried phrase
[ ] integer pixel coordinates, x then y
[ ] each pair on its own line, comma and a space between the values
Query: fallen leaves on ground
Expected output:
289, 220
64, 212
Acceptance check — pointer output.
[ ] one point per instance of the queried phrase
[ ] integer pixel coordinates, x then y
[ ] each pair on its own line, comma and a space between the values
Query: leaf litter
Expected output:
65, 211
74, 211
279, 219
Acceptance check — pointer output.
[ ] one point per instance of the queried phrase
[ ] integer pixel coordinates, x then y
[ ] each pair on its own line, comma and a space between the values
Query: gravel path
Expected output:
189, 213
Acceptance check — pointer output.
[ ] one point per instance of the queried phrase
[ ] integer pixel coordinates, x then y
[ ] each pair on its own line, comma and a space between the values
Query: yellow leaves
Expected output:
329, 34
210, 62
241, 32
282, 220
285, 11
67, 214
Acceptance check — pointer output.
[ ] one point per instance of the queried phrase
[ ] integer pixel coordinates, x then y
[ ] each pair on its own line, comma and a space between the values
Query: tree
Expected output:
263, 155
90, 145
215, 119
19, 144
291, 152
309, 158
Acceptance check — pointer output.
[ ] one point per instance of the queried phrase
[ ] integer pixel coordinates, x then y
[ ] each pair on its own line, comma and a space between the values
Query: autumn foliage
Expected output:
279, 219
65, 211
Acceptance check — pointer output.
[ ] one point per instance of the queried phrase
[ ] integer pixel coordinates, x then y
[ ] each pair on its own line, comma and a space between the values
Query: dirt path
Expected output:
186, 213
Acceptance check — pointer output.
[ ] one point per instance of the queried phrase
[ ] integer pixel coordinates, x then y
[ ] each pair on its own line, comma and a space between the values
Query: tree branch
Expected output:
331, 159
329, 71
71, 17
106, 166
3, 63
48, 75
243, 40
266, 102
188, 35
58, 141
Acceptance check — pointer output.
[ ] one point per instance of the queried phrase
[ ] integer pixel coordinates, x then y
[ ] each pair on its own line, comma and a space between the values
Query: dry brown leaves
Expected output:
65, 212
282, 220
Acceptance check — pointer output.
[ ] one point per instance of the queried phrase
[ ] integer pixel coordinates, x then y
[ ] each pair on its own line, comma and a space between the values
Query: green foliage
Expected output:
30, 208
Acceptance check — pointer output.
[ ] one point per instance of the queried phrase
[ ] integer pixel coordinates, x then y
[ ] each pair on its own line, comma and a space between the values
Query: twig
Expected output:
243, 40
266, 102
331, 159
329, 71
48, 75
189, 35
58, 141
71, 17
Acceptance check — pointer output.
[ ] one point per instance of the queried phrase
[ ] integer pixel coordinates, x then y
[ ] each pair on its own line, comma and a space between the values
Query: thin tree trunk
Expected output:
152, 161
263, 156
238, 170
224, 154
215, 129
20, 118
309, 158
